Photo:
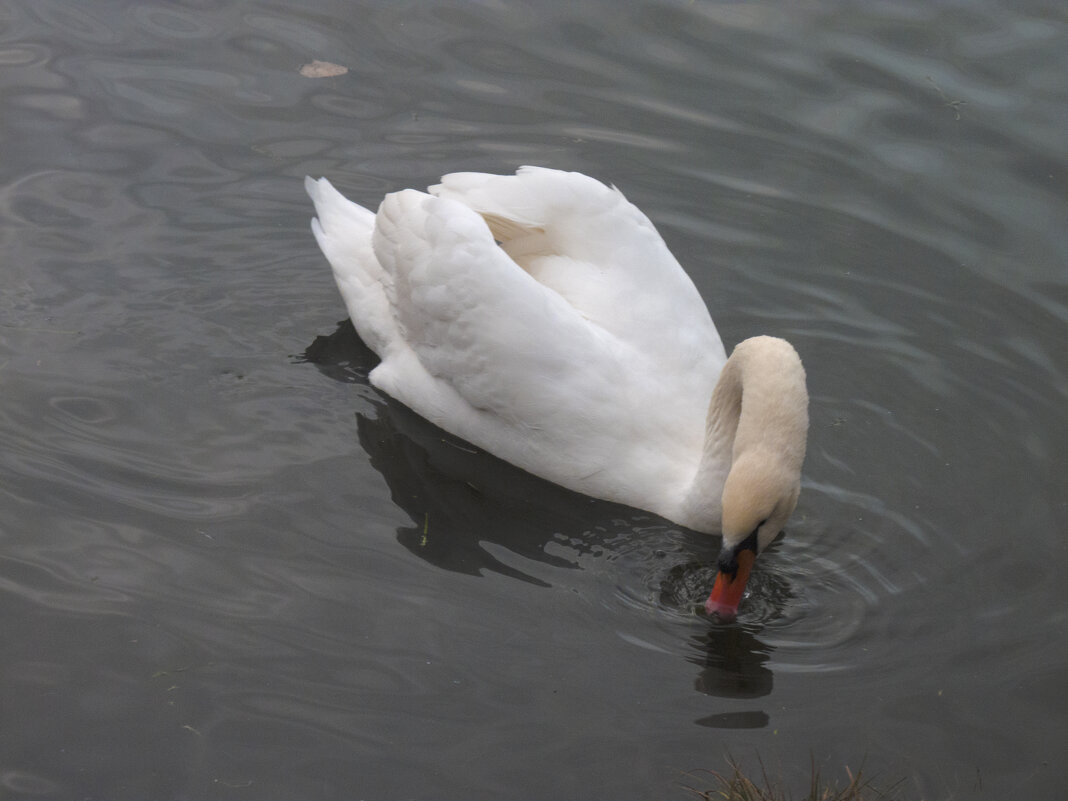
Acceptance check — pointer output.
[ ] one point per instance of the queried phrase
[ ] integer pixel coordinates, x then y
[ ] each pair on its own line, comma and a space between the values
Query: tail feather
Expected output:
344, 230
341, 221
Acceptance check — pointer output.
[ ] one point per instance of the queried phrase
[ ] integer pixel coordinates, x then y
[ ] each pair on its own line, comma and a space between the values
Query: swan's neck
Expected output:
759, 405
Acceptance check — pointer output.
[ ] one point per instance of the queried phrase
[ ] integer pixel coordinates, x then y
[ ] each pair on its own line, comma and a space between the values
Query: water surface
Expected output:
230, 568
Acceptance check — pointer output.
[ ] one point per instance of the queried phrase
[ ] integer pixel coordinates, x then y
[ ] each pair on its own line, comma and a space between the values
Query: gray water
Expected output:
231, 569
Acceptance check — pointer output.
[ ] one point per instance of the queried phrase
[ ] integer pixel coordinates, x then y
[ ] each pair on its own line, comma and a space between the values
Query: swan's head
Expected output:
758, 498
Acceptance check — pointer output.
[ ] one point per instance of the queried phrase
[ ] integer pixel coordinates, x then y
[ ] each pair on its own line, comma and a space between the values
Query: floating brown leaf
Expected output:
322, 69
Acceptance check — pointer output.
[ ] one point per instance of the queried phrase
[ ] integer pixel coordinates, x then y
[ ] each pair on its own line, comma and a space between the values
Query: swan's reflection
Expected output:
734, 661
733, 665
461, 499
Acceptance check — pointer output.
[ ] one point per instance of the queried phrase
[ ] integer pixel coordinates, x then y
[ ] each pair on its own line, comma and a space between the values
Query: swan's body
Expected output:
576, 349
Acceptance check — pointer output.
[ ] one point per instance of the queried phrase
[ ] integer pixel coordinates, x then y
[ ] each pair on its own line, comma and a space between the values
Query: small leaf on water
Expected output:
322, 69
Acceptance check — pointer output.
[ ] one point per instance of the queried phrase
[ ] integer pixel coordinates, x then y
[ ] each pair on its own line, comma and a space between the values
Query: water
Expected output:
231, 569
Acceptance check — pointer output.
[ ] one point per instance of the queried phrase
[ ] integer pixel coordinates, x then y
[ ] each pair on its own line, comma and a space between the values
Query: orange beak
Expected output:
728, 589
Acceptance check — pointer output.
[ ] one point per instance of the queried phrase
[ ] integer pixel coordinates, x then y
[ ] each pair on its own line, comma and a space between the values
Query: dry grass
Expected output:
738, 786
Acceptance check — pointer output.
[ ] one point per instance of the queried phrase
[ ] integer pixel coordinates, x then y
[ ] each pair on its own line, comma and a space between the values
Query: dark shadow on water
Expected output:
732, 662
733, 665
735, 720
341, 355
461, 499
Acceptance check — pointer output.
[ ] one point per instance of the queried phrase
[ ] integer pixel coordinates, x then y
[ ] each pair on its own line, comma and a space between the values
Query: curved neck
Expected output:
760, 403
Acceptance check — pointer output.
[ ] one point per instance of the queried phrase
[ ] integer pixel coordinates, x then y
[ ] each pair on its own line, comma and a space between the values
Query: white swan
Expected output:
541, 317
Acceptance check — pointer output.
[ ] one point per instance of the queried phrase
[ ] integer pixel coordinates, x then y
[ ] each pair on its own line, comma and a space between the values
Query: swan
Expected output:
541, 317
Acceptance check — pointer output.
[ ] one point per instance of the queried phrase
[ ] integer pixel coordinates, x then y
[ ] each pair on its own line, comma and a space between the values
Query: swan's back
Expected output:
576, 349
598, 251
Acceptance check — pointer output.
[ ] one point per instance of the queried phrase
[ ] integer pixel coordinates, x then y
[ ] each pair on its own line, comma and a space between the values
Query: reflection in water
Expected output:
453, 515
733, 663
735, 720
460, 498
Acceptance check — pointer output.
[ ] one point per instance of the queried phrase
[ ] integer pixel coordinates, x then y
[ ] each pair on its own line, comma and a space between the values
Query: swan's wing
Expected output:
343, 231
477, 322
598, 251
505, 362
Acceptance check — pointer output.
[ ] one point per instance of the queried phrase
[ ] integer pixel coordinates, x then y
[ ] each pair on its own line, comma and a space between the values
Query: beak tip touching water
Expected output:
728, 590
721, 610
